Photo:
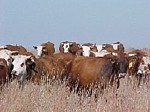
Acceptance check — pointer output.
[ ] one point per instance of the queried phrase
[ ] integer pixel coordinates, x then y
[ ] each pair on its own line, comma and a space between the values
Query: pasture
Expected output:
56, 97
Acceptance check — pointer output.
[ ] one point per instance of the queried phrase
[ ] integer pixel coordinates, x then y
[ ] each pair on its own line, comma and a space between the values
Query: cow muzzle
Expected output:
13, 73
122, 75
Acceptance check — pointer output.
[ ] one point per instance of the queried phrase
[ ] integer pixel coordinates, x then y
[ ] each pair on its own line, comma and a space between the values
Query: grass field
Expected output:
56, 97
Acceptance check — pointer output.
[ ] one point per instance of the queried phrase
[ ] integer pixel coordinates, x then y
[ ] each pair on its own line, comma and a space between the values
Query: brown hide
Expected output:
49, 48
108, 47
21, 49
64, 56
87, 44
90, 70
3, 70
75, 49
48, 66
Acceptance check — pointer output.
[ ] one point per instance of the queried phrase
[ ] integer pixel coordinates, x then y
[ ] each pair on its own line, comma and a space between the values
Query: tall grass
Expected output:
56, 97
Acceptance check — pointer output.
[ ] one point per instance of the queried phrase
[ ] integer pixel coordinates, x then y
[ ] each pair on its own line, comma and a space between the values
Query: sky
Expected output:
33, 22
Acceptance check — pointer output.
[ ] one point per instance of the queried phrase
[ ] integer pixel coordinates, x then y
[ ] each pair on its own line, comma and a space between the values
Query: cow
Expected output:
118, 46
3, 71
136, 64
144, 68
64, 46
70, 47
23, 66
92, 70
45, 49
51, 67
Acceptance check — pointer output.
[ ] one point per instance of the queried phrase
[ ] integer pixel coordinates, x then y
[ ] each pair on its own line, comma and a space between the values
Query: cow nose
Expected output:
122, 75
13, 72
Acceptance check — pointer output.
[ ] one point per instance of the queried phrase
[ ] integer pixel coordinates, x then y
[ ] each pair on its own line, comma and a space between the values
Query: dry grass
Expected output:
55, 97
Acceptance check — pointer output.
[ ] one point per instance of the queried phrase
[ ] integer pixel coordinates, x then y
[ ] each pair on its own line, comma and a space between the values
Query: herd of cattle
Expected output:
82, 64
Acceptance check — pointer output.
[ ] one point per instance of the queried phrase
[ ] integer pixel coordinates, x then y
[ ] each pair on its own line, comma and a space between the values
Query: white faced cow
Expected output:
86, 50
40, 50
45, 49
22, 68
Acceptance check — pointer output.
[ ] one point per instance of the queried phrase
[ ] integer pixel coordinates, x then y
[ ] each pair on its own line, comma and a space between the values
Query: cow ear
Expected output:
35, 47
14, 53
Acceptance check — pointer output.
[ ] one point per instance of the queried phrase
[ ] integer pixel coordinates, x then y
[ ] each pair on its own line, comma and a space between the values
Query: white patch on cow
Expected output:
86, 50
39, 50
122, 75
3, 47
146, 60
131, 54
115, 46
66, 47
115, 54
101, 53
99, 47
5, 54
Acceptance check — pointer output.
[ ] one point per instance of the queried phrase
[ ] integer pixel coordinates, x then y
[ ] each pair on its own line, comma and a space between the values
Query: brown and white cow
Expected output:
118, 46
70, 47
45, 49
23, 66
138, 65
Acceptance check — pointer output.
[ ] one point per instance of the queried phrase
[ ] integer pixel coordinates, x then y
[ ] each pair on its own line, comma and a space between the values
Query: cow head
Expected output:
86, 50
21, 65
64, 46
120, 65
41, 50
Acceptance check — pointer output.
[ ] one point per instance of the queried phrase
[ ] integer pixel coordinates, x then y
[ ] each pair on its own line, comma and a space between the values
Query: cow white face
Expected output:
115, 46
86, 50
19, 65
39, 49
66, 47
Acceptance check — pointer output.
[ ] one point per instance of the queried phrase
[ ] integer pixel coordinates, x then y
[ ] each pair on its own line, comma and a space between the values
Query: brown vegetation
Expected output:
56, 97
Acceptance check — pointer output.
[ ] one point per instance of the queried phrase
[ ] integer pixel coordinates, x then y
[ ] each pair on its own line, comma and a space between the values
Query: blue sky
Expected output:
32, 22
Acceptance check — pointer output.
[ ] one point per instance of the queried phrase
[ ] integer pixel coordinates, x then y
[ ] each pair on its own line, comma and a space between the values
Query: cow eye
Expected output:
22, 65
